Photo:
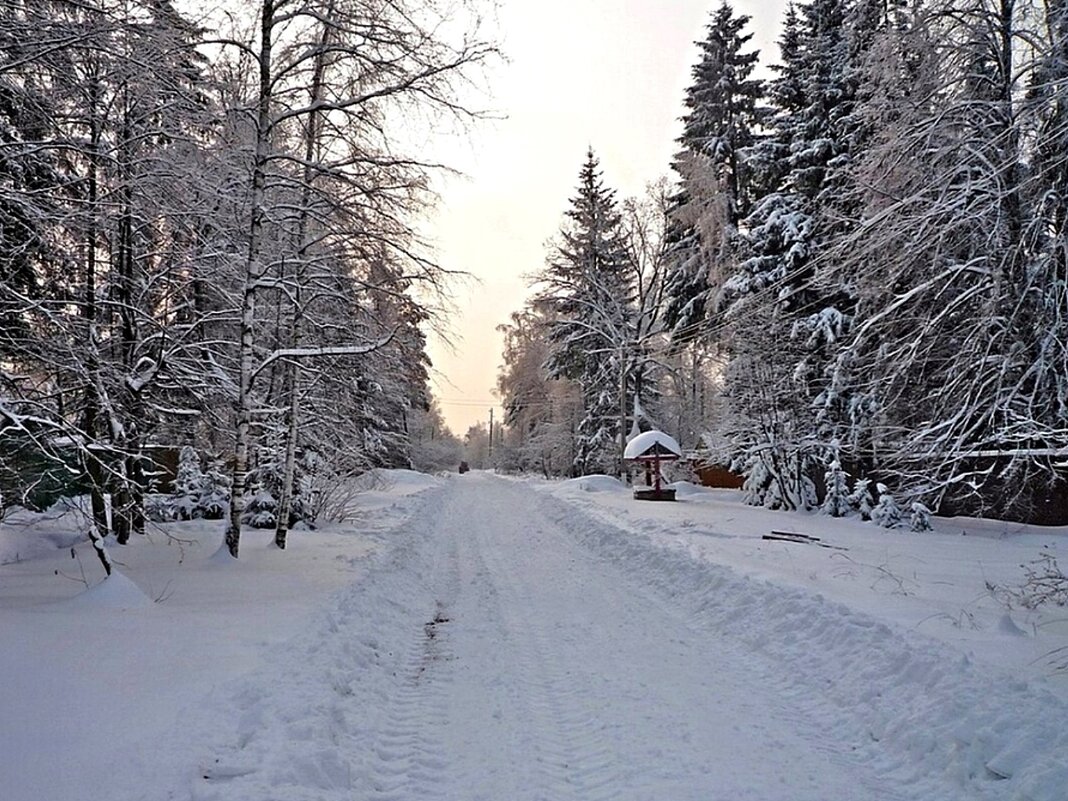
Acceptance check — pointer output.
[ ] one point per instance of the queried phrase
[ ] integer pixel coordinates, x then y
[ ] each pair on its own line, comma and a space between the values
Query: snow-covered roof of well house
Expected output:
650, 444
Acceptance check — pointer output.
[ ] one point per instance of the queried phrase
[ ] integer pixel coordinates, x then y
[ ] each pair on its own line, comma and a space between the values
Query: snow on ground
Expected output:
480, 638
900, 630
933, 583
94, 679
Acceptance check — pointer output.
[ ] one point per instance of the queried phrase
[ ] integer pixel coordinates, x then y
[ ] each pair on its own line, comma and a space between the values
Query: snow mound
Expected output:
32, 535
114, 592
1008, 626
686, 488
594, 483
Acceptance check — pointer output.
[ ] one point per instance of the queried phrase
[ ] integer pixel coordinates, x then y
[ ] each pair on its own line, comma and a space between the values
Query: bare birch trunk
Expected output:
95, 466
285, 503
253, 275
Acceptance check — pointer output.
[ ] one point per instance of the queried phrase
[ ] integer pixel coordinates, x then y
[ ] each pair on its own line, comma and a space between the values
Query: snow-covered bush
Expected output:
757, 480
265, 491
776, 479
836, 502
886, 512
260, 509
188, 486
313, 478
920, 519
860, 499
197, 494
214, 500
1045, 583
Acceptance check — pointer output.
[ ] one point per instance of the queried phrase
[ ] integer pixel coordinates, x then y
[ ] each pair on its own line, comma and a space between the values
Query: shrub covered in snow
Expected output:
757, 479
188, 486
920, 519
886, 512
860, 499
1046, 583
197, 494
265, 491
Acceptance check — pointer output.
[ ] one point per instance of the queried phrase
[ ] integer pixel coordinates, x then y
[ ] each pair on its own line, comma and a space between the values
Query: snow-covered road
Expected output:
559, 676
501, 653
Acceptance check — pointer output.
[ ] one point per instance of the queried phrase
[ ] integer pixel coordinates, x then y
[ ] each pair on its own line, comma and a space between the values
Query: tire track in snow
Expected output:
573, 758
408, 758
757, 696
296, 728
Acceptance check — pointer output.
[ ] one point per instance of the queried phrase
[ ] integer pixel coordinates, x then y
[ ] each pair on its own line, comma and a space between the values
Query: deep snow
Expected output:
485, 638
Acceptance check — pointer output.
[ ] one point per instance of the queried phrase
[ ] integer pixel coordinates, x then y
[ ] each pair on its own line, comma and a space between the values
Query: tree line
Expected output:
209, 235
855, 288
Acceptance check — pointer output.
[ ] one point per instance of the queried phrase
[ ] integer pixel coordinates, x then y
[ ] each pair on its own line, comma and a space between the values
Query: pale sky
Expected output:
606, 73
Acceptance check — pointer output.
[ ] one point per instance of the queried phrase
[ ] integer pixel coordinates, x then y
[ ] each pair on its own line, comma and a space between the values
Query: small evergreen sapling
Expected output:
860, 499
215, 492
920, 520
836, 503
265, 488
188, 486
261, 501
886, 512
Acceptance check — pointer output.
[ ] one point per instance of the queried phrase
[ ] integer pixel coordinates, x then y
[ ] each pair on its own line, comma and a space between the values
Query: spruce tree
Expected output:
779, 293
723, 113
586, 292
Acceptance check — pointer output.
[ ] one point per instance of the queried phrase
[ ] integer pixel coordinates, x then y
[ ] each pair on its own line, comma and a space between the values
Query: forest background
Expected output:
852, 289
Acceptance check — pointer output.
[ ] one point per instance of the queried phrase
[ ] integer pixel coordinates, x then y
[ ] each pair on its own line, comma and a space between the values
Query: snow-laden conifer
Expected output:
886, 513
920, 517
586, 288
723, 113
860, 499
836, 500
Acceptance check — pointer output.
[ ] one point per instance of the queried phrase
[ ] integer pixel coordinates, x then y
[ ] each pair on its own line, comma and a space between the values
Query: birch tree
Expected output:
348, 71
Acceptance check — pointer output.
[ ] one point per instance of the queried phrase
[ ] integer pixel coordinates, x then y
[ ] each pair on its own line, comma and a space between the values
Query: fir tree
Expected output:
779, 293
860, 499
920, 519
723, 113
836, 501
189, 485
886, 513
587, 294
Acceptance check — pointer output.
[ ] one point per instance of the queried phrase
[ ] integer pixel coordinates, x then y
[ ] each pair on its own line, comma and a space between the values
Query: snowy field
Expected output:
479, 637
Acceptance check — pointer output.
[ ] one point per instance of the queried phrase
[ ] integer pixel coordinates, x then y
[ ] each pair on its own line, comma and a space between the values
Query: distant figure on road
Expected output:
463, 467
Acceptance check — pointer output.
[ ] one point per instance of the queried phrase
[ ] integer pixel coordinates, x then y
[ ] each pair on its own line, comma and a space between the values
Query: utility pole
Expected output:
622, 415
490, 455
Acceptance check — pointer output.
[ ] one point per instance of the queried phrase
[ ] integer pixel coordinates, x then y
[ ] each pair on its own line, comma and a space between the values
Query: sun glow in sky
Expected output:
610, 74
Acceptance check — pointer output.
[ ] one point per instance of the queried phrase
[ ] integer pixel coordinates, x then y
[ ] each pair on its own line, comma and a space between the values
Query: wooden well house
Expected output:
651, 449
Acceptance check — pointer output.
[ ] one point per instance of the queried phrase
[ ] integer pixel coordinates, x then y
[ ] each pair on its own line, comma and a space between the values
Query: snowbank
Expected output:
114, 592
994, 734
113, 666
594, 483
